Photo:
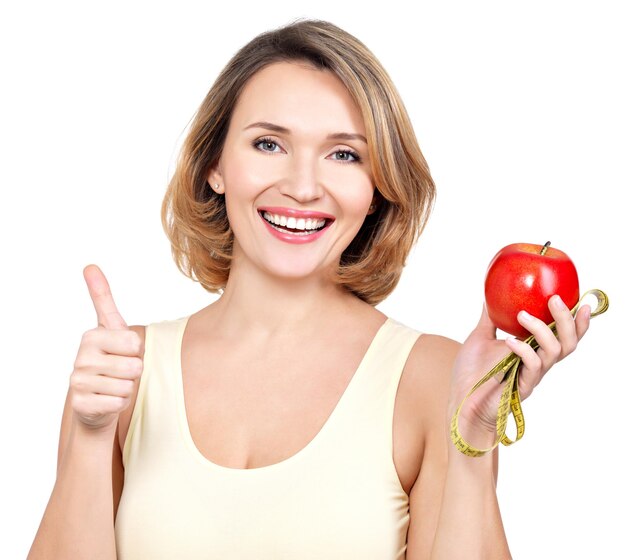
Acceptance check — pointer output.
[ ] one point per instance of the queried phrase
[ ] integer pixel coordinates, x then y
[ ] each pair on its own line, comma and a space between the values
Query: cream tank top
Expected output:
337, 498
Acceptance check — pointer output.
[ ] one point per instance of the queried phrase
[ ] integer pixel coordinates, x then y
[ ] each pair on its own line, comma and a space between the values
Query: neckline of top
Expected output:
298, 455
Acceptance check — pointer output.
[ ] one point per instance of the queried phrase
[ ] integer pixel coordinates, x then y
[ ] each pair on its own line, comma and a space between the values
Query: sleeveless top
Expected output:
337, 498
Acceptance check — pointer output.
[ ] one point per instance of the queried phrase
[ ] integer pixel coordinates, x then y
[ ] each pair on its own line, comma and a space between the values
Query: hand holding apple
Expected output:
522, 289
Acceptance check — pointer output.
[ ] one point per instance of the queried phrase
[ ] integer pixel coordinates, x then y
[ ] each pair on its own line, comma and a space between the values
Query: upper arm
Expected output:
436, 358
122, 430
432, 392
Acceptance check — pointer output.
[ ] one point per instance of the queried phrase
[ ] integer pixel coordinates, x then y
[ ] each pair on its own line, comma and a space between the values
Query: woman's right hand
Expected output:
109, 361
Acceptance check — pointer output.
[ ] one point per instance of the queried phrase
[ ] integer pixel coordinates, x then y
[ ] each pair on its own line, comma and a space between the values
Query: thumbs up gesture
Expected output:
109, 360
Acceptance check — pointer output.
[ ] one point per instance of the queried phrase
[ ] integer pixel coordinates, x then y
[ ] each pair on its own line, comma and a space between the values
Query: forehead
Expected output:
295, 95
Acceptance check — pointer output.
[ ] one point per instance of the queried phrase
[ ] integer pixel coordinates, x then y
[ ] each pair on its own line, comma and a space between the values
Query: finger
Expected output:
549, 349
583, 316
113, 387
103, 385
532, 371
108, 315
93, 407
485, 325
120, 367
125, 342
565, 326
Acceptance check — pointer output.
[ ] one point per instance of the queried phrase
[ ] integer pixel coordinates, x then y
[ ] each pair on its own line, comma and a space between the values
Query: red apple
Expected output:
525, 276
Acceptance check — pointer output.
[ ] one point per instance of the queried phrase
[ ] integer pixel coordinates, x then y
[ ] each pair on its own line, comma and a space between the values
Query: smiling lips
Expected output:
295, 226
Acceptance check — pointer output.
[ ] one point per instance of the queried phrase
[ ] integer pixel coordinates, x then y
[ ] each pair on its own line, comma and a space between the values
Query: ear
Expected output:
214, 177
375, 202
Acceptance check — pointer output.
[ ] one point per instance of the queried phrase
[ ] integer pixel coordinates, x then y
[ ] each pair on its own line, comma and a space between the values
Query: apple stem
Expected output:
545, 248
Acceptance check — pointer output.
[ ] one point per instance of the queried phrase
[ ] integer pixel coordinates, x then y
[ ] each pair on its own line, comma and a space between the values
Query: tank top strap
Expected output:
364, 416
155, 409
384, 362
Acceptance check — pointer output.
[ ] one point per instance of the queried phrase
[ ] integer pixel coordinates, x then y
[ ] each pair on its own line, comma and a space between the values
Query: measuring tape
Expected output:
509, 400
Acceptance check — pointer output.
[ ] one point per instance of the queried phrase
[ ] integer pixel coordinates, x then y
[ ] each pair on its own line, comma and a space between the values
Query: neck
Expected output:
263, 306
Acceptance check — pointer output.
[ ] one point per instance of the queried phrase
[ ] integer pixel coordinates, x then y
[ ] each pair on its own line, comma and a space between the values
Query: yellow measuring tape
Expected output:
510, 401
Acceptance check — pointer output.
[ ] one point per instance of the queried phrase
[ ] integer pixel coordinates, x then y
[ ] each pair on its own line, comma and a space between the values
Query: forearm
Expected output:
78, 521
470, 525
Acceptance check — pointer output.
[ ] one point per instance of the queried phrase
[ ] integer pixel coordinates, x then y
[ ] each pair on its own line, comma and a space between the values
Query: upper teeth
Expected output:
293, 223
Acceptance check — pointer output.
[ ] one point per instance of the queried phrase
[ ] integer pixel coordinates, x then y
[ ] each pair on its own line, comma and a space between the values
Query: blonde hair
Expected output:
194, 216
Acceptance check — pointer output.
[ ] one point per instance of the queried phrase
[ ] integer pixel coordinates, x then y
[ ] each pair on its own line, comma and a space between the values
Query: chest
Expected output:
250, 407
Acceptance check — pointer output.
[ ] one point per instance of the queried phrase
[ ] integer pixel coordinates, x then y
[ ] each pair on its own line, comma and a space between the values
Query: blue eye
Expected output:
356, 156
265, 141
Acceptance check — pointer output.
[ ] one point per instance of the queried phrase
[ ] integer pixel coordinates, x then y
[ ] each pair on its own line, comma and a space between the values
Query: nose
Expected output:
301, 181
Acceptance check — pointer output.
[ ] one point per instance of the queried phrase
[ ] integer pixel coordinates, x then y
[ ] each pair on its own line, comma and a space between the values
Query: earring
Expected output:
373, 204
217, 187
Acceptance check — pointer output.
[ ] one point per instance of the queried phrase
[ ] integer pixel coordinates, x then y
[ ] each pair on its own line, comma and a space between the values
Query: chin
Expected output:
298, 270
295, 273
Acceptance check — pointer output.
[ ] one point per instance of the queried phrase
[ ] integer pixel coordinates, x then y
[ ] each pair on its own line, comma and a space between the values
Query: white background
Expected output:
519, 109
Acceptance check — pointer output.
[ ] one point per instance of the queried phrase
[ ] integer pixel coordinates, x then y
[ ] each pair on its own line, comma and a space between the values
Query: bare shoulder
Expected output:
433, 349
427, 377
126, 415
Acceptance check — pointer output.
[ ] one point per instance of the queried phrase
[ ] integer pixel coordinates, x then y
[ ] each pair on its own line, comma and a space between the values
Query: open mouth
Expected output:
293, 226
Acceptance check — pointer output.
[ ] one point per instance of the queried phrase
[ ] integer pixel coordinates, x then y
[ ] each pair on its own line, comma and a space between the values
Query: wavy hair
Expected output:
194, 216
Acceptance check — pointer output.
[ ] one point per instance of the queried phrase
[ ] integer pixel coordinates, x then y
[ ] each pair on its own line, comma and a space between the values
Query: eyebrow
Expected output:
283, 130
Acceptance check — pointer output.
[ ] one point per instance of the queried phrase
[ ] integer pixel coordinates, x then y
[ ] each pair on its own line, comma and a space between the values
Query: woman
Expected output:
290, 418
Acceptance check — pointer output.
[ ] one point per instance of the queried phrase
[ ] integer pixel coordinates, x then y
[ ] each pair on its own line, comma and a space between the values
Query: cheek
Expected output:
356, 200
248, 172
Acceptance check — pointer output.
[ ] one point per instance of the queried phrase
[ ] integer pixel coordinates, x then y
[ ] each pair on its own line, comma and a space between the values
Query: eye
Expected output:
347, 153
267, 142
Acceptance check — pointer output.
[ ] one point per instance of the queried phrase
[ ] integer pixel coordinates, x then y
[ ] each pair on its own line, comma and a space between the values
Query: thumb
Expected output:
485, 326
108, 315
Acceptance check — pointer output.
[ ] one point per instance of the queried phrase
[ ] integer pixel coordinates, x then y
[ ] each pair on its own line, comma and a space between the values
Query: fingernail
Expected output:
559, 302
524, 316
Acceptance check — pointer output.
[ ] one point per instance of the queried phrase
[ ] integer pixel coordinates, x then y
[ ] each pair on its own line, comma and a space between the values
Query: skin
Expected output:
279, 307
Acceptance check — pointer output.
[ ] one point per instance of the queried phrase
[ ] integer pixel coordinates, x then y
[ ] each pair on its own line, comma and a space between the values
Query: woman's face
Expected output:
295, 170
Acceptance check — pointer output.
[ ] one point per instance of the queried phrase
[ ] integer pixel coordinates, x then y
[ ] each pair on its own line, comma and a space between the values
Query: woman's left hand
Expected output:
482, 350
